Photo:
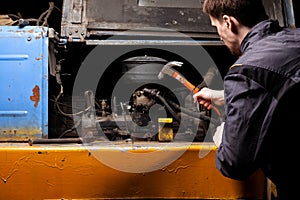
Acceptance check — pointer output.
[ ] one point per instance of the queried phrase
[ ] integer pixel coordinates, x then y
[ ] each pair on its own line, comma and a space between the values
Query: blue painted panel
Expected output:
23, 82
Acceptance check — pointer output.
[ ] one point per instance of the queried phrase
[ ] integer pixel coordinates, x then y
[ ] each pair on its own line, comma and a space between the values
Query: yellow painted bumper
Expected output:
71, 171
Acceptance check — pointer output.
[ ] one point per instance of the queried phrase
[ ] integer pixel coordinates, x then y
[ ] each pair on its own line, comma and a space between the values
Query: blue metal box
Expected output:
23, 82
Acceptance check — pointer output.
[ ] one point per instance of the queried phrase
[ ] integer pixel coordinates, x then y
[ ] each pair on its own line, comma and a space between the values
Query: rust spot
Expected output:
36, 95
39, 58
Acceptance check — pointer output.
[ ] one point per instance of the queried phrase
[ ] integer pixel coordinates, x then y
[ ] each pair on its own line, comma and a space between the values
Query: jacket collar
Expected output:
260, 31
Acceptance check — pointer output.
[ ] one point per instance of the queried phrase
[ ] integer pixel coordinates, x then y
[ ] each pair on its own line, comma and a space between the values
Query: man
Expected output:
261, 89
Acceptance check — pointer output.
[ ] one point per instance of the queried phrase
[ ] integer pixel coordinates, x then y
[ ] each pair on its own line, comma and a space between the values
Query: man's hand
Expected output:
206, 96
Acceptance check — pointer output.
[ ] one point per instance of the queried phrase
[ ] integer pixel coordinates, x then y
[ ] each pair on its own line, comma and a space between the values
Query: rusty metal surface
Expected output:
123, 15
70, 171
82, 19
23, 82
171, 3
274, 10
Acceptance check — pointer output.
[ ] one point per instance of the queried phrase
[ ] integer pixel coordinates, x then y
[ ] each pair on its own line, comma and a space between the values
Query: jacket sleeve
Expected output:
246, 103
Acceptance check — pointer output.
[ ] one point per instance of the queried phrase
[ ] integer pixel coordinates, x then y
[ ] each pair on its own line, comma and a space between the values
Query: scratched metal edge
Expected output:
138, 146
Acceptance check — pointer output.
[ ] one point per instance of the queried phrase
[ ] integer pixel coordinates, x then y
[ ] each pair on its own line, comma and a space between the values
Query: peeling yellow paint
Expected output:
53, 171
175, 170
14, 168
18, 133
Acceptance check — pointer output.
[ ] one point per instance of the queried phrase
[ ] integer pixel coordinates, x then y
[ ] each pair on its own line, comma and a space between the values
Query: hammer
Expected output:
167, 69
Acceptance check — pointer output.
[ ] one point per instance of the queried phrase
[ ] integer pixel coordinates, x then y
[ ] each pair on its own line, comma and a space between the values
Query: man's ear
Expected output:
231, 23
226, 20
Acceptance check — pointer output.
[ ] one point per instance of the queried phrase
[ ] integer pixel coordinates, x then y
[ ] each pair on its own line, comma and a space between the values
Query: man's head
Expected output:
233, 19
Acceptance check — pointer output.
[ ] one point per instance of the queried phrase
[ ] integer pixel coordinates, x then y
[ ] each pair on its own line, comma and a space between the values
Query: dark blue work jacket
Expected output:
262, 100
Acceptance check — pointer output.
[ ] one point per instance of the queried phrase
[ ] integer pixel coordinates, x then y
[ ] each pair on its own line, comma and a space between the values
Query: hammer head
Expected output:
167, 69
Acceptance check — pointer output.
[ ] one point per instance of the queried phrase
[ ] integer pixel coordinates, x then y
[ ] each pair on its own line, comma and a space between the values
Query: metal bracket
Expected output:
74, 21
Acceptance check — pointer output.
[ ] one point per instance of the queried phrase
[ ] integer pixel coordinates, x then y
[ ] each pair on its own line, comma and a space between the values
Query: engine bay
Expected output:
130, 99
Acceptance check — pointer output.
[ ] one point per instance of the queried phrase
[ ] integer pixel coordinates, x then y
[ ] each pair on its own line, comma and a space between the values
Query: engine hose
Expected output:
194, 114
185, 110
167, 106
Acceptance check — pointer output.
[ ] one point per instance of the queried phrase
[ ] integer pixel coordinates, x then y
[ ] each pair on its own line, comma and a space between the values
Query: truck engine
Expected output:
128, 47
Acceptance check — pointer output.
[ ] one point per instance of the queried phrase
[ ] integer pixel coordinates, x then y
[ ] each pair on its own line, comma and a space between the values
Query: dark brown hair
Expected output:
247, 12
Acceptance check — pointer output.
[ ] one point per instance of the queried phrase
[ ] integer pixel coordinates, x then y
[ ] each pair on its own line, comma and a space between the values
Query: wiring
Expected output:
41, 21
56, 105
47, 13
